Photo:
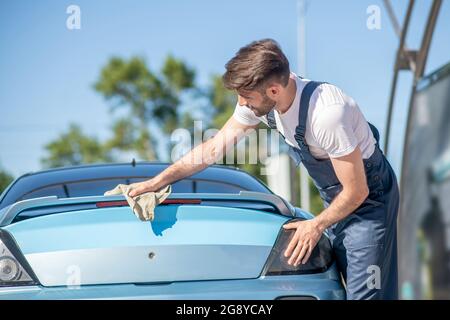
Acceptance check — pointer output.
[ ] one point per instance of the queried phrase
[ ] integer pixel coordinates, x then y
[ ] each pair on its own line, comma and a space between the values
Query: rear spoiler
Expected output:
8, 214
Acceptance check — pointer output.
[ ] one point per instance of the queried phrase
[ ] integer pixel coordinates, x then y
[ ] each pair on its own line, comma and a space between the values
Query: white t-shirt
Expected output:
335, 125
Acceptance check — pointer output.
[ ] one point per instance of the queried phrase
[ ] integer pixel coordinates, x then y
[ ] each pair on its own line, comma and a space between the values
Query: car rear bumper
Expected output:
323, 286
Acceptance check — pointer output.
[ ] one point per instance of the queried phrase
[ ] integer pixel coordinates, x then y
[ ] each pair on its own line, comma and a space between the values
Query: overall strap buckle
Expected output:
303, 112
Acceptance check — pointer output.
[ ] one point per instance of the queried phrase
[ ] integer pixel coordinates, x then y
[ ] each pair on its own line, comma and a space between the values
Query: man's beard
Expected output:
266, 106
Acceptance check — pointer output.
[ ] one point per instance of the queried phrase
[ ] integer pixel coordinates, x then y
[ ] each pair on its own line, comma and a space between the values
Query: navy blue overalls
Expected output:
365, 242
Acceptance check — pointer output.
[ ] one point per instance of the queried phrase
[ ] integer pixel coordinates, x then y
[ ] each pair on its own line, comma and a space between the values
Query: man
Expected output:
327, 132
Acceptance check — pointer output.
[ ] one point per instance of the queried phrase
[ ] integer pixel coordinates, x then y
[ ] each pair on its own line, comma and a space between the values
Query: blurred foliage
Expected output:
5, 180
316, 203
124, 135
177, 74
222, 100
151, 99
74, 148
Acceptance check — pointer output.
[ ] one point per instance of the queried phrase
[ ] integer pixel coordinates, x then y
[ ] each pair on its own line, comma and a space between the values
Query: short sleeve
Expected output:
333, 130
245, 116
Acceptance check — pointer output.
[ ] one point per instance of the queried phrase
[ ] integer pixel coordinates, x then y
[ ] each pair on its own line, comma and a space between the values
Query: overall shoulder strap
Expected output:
270, 117
303, 111
375, 132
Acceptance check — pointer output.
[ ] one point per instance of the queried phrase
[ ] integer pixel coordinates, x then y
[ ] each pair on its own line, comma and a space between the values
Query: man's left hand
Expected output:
302, 244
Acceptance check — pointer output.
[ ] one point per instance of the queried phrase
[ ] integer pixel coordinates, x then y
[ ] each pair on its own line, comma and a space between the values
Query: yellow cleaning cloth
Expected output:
144, 204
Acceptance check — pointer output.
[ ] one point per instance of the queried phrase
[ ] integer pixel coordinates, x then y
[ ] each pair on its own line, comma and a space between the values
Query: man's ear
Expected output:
273, 91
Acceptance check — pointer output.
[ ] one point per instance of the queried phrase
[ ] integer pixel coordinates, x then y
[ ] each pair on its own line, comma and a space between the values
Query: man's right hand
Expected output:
142, 187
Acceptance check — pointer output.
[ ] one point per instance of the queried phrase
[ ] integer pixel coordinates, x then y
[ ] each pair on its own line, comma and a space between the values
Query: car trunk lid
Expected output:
109, 244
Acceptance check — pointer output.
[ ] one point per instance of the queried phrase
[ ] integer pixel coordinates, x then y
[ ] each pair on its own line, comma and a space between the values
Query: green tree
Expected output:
5, 180
74, 147
152, 99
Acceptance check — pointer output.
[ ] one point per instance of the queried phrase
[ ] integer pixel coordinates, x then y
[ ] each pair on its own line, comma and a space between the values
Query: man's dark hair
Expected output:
255, 66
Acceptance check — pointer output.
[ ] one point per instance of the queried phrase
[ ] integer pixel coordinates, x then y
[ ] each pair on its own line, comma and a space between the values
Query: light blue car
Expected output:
219, 235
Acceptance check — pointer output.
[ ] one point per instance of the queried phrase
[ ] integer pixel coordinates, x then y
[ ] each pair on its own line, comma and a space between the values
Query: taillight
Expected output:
14, 270
277, 264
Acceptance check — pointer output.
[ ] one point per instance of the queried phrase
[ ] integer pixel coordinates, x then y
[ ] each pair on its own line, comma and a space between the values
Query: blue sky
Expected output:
47, 71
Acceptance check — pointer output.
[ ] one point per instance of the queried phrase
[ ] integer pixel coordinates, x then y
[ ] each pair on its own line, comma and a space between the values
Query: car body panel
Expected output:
323, 286
111, 245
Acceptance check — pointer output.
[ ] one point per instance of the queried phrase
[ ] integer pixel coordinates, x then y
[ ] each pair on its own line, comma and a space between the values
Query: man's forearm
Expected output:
343, 205
195, 160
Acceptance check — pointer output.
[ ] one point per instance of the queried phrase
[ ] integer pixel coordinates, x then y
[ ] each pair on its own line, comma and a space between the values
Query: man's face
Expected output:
259, 103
